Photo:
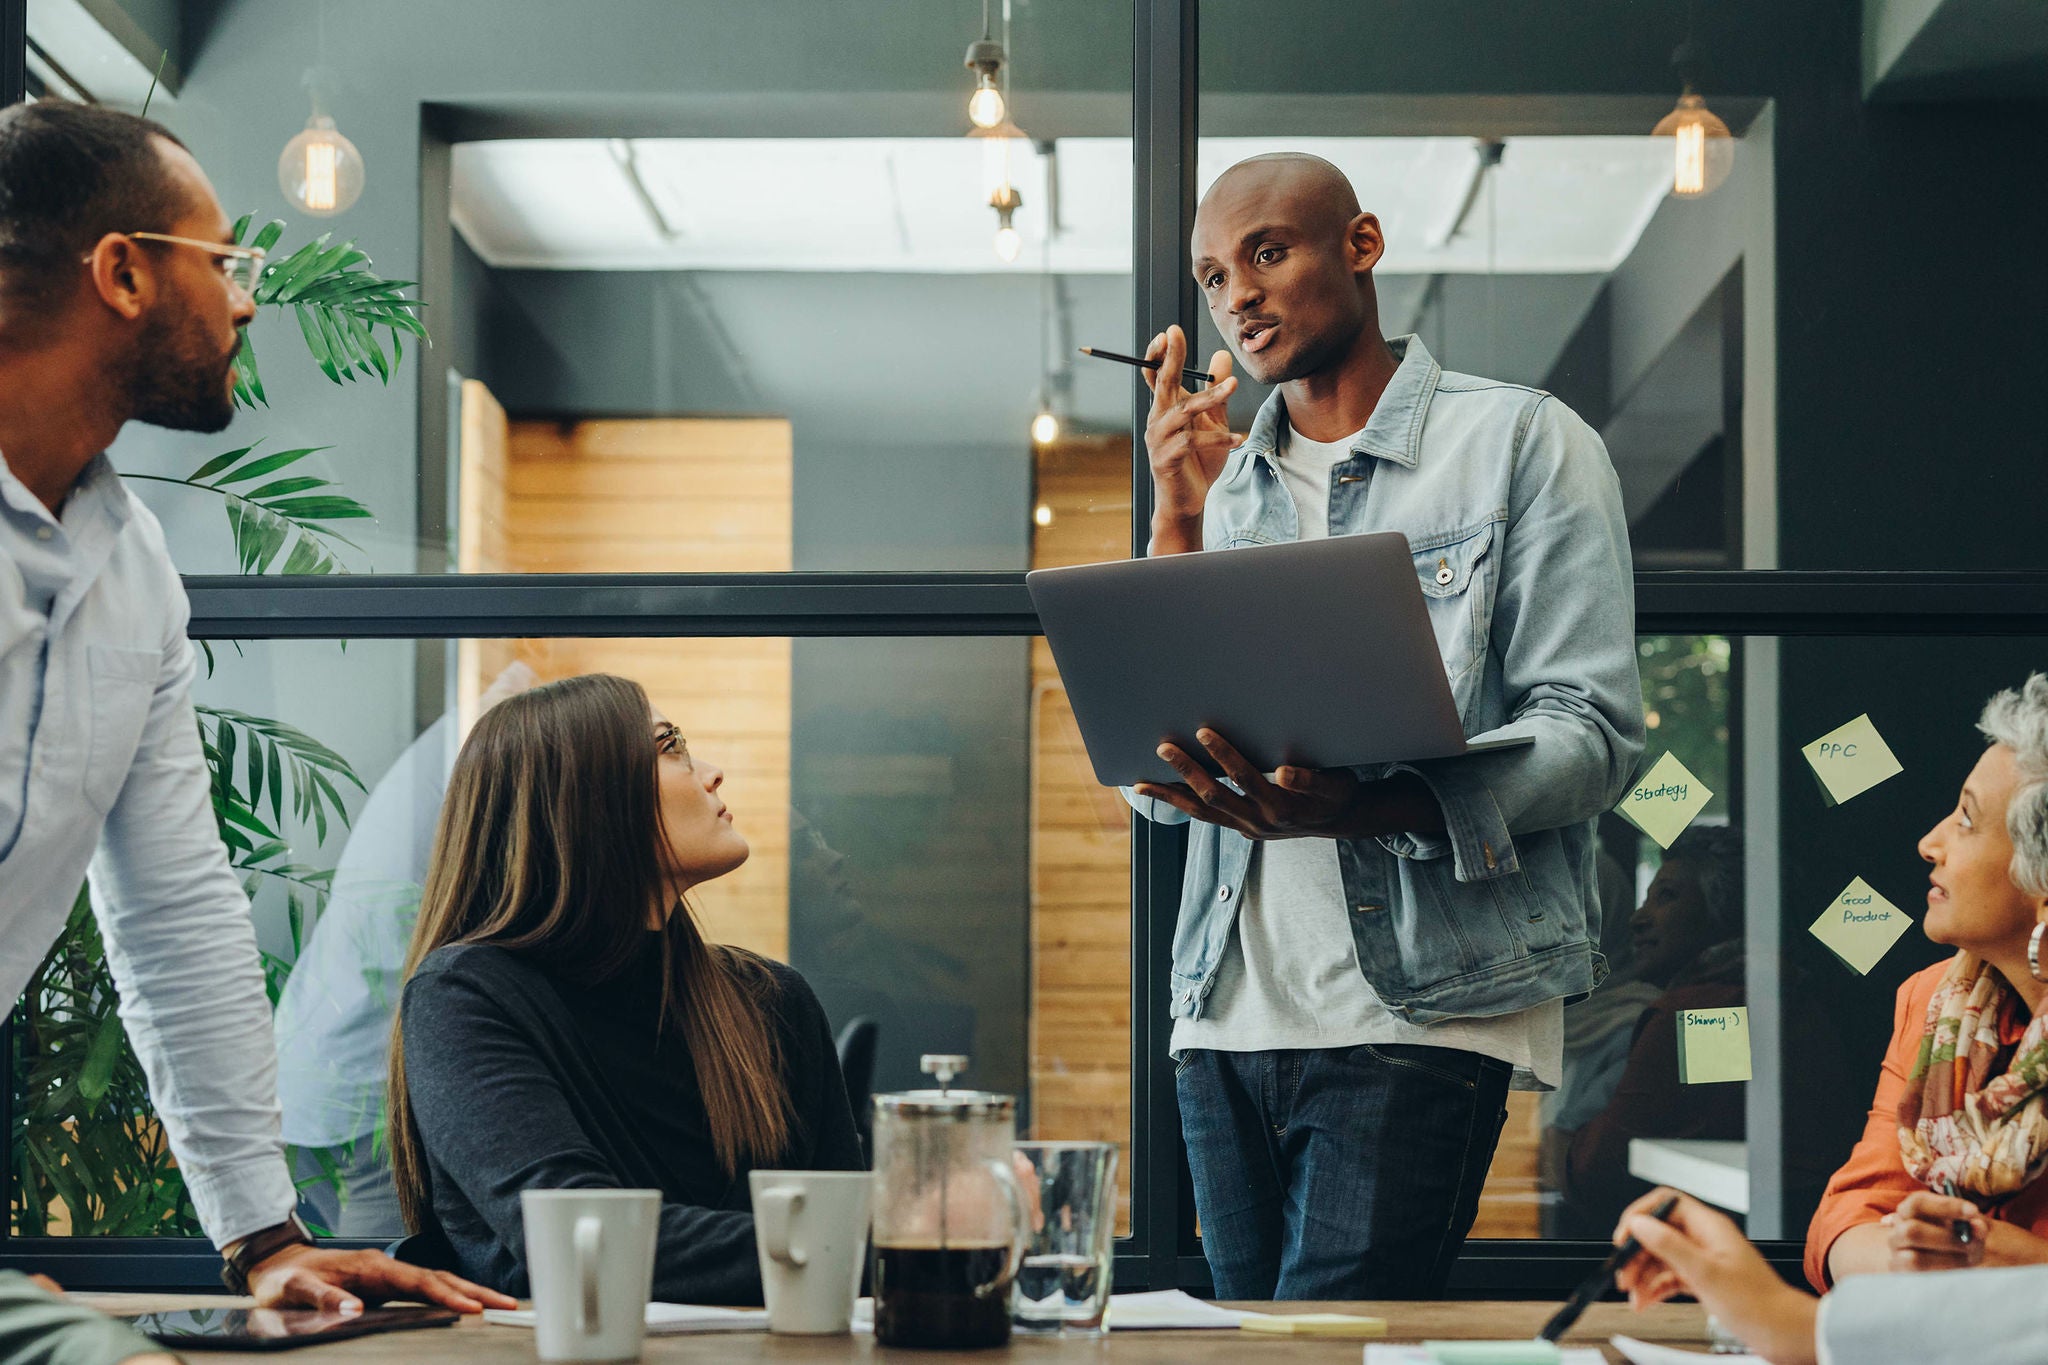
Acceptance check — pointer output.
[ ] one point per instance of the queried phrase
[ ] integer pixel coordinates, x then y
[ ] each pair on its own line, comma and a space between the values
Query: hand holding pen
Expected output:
1187, 440
1929, 1231
1595, 1285
1696, 1251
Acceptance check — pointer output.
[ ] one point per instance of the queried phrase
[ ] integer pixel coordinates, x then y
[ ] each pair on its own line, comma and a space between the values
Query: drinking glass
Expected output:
1063, 1287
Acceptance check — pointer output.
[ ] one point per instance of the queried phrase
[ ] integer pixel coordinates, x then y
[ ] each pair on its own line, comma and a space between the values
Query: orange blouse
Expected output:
1873, 1181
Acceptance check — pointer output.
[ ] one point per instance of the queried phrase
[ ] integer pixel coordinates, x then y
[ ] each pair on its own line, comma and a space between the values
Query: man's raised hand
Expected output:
1187, 439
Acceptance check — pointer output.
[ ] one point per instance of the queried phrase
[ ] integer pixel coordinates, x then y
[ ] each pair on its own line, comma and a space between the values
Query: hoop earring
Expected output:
2034, 952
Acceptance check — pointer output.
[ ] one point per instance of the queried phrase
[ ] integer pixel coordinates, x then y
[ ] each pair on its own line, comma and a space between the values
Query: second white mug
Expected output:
811, 1230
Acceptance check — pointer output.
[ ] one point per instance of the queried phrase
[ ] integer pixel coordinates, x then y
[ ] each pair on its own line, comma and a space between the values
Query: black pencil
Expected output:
1596, 1284
1196, 376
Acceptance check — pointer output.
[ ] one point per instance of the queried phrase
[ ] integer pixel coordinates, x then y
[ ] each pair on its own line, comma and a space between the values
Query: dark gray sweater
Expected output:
520, 1080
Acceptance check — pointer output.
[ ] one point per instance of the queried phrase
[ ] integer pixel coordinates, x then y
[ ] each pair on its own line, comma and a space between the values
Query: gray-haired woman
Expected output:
1947, 1173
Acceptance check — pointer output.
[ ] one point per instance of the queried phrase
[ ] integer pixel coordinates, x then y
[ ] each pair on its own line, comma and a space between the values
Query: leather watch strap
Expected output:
259, 1247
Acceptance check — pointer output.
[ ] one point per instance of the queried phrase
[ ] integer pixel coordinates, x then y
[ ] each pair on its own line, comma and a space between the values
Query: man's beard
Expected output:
1316, 355
176, 379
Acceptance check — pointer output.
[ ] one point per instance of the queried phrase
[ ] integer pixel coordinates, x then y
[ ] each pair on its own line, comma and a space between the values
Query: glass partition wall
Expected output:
767, 397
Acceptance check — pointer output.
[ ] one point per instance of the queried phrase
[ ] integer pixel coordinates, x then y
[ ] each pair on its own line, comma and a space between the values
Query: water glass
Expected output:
1063, 1287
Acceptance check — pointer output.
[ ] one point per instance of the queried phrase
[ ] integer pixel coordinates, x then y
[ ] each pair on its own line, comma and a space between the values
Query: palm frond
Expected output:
340, 303
289, 511
278, 763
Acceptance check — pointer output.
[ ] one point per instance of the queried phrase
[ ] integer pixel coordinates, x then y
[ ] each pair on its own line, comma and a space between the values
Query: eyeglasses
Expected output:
242, 265
669, 740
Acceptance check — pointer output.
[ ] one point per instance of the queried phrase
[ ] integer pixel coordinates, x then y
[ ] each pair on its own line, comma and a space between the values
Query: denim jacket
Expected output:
1514, 515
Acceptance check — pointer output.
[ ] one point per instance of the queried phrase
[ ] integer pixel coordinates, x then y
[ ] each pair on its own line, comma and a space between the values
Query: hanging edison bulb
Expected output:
1045, 427
986, 106
1006, 201
321, 171
1703, 151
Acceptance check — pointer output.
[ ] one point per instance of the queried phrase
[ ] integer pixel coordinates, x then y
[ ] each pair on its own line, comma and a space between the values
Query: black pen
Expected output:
1959, 1228
1596, 1283
1196, 376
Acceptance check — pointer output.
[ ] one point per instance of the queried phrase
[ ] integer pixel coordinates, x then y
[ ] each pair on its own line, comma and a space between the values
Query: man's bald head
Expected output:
1316, 192
1284, 260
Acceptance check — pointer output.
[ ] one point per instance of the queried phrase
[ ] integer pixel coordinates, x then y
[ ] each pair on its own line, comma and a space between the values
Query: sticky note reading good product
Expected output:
1851, 760
1860, 927
1713, 1045
1664, 800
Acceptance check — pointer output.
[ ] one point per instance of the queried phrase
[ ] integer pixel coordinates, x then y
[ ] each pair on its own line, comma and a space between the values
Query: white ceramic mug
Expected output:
811, 1231
590, 1269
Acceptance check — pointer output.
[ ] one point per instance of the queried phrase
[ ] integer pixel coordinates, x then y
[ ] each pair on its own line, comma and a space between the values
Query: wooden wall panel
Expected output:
1080, 842
480, 541
656, 496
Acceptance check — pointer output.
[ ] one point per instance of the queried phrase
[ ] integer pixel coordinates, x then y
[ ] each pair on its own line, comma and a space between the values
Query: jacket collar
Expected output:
1395, 429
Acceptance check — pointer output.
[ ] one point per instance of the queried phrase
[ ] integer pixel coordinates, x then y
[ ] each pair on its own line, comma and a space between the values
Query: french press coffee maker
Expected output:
951, 1221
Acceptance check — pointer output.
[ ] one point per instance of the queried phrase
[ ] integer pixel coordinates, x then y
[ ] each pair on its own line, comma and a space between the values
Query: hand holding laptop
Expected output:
1299, 803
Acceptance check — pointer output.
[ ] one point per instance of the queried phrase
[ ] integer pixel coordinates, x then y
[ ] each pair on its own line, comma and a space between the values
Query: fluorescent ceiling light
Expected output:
1559, 205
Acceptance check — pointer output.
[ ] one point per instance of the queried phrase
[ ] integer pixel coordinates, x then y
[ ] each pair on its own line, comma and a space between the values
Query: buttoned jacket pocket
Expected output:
1457, 572
123, 684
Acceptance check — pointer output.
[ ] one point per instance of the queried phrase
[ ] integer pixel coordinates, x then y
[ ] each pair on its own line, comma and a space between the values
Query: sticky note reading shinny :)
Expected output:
1851, 760
1713, 1045
1664, 800
1860, 927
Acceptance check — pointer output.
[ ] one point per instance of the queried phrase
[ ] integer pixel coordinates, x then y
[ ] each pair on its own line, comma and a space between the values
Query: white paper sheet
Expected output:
1649, 1353
1167, 1309
663, 1319
1161, 1310
1382, 1353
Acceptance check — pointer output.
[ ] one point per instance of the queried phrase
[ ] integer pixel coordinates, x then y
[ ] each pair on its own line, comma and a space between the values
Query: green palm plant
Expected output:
86, 1154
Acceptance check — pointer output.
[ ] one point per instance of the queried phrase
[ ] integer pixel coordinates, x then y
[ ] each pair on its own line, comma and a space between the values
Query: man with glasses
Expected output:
123, 297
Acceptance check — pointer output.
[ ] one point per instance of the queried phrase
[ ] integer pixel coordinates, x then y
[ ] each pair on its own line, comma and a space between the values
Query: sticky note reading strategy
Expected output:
1851, 760
1713, 1045
1860, 927
1664, 800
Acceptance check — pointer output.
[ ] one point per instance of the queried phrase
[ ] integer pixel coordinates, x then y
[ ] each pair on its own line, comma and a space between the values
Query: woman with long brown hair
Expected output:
564, 1023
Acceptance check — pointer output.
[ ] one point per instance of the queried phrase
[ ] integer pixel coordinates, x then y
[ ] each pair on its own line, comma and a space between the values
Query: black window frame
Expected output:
432, 606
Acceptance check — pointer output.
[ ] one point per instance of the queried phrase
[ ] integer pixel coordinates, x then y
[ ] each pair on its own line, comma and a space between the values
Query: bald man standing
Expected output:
1367, 960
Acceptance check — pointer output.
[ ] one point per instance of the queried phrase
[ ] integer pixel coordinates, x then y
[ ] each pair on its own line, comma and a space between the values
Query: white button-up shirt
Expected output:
99, 750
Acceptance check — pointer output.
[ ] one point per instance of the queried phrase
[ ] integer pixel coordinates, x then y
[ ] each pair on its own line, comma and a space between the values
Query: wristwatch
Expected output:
258, 1247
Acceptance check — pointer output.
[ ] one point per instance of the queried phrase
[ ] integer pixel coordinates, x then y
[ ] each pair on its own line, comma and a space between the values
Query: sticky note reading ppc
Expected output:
1664, 800
1713, 1045
1851, 760
1860, 927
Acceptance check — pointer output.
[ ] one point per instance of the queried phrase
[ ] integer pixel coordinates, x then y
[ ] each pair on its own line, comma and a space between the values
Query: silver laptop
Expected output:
1317, 654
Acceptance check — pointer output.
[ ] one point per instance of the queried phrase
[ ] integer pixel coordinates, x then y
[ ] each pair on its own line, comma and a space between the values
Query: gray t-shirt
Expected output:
1290, 977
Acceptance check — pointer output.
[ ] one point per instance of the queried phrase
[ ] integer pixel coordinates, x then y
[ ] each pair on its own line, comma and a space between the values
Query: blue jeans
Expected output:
1338, 1173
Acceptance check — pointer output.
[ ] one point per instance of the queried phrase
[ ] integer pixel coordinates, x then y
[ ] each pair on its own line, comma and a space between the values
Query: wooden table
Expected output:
473, 1340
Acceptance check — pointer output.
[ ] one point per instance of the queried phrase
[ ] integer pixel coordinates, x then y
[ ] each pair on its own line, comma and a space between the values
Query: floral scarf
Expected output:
1975, 1116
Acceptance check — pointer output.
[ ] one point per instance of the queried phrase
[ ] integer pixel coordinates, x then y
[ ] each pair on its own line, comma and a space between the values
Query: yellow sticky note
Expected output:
1664, 800
1851, 760
1349, 1325
1713, 1045
1860, 927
